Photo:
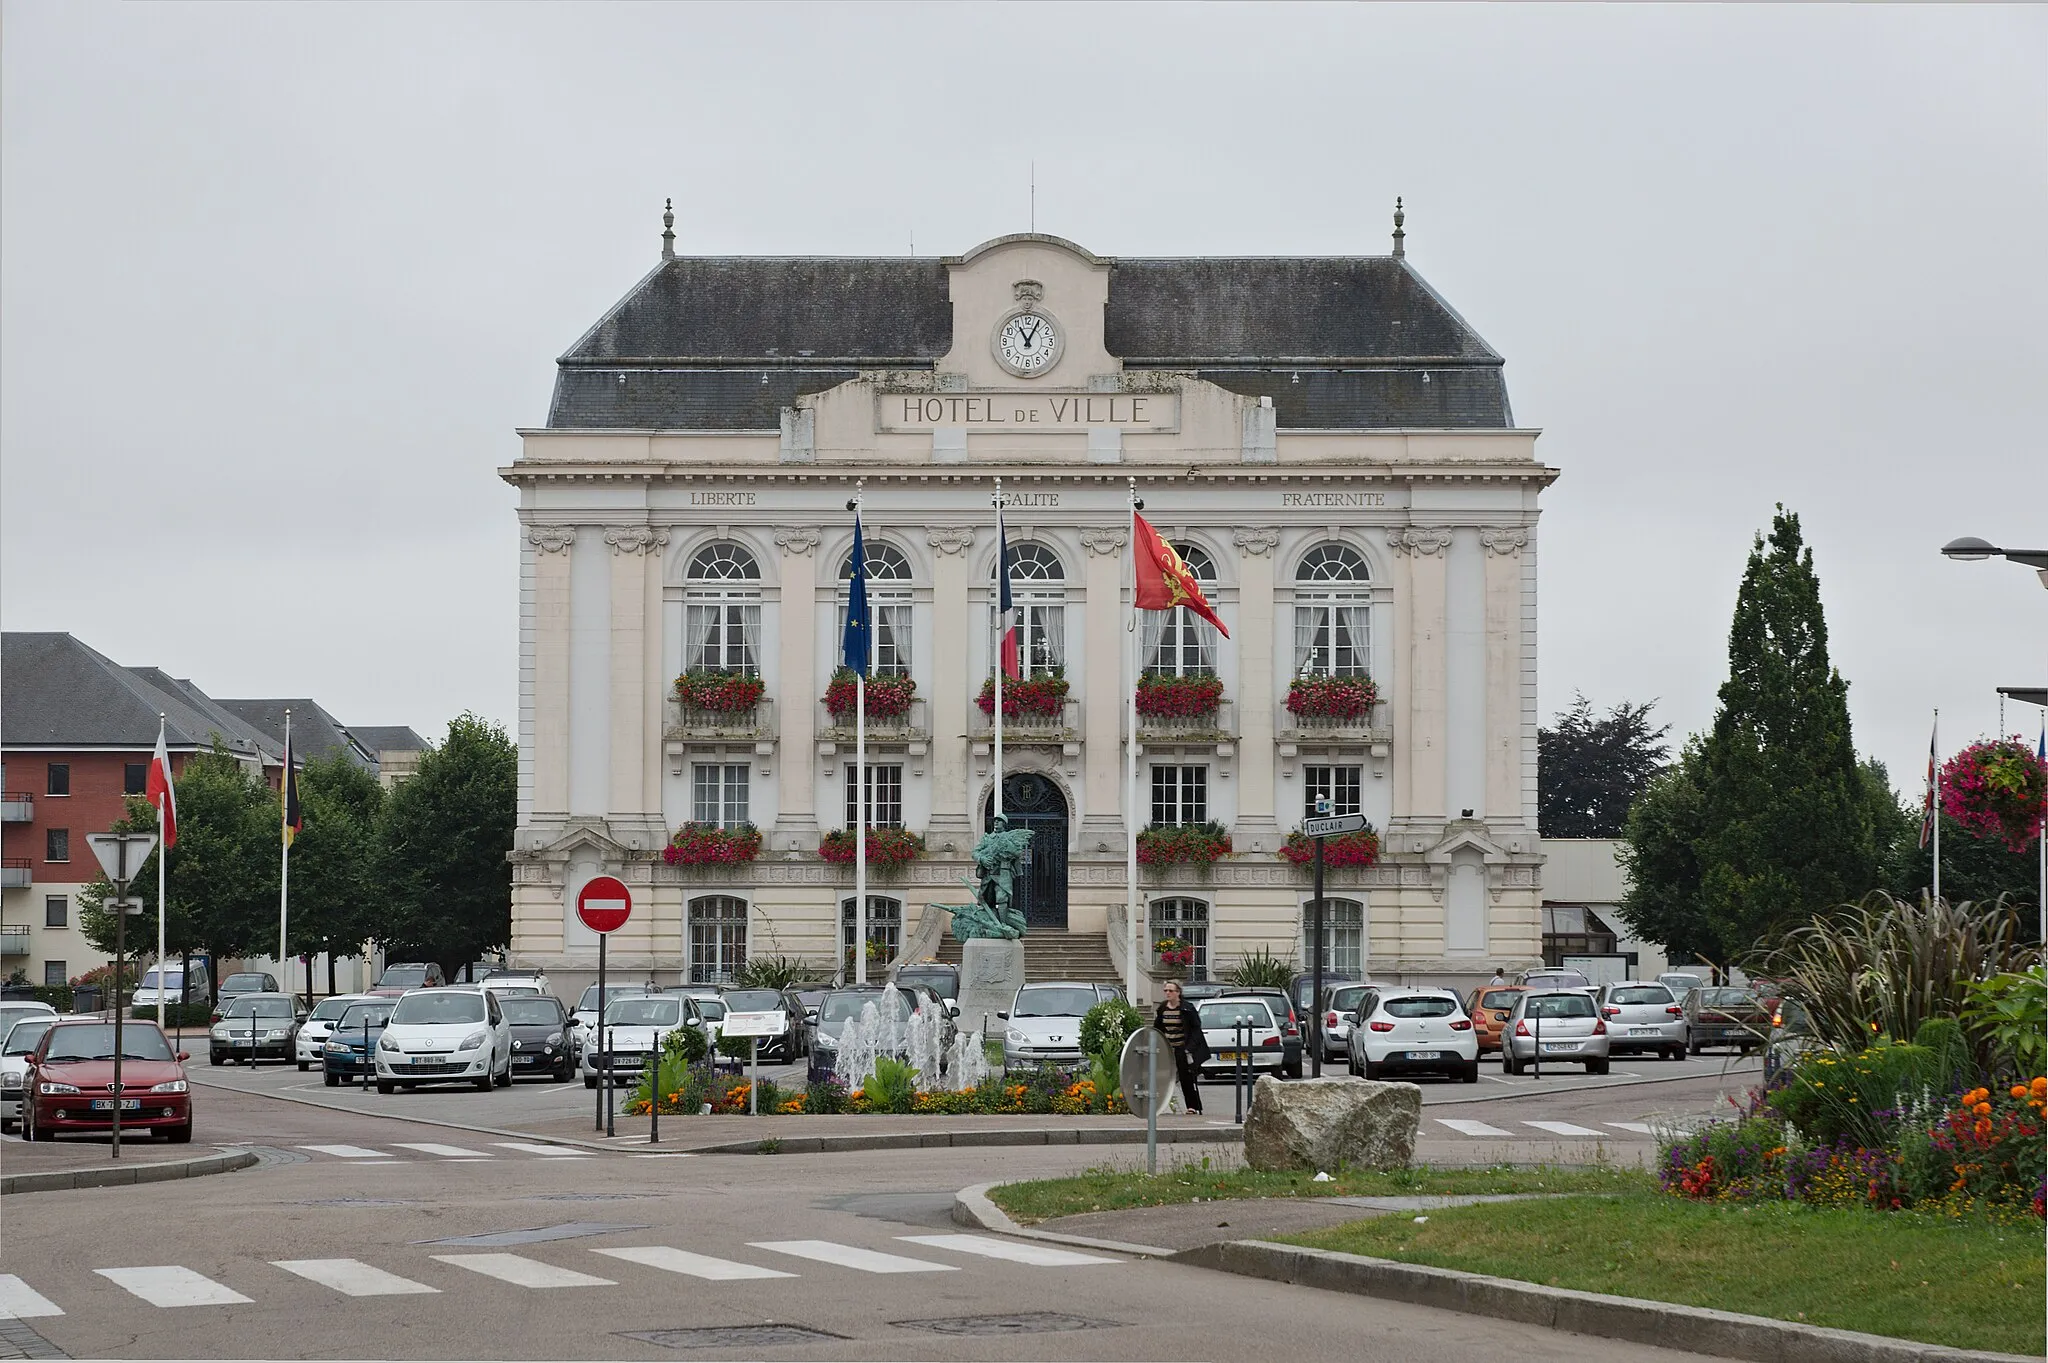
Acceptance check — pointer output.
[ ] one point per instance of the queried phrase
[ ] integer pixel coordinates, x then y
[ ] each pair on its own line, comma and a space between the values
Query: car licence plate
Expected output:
1423, 1055
430, 1060
1645, 1031
525, 1059
1232, 1055
1553, 1047
107, 1104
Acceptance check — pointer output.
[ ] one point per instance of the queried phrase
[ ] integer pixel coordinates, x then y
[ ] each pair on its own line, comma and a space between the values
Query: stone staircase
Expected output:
1055, 954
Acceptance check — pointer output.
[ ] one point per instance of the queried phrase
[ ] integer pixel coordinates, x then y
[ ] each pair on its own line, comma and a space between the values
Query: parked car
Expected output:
1563, 1022
1224, 1023
1043, 1023
784, 1047
1488, 1008
179, 985
807, 997
349, 1052
1642, 1017
17, 1039
1680, 984
1301, 989
255, 1027
240, 983
584, 1015
453, 1034
400, 976
1194, 991
518, 982
540, 1034
311, 1043
1553, 979
1289, 1018
944, 980
1340, 1001
22, 1011
1791, 1037
842, 1006
1413, 1030
634, 1028
1717, 1015
70, 1082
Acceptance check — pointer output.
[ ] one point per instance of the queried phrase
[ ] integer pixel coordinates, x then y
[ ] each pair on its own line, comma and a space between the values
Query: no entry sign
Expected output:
604, 904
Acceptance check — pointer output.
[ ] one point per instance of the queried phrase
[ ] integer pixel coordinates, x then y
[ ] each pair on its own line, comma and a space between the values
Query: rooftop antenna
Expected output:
668, 230
1400, 237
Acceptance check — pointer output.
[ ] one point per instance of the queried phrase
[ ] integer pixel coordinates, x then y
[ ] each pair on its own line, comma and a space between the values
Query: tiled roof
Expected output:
383, 738
315, 733
55, 692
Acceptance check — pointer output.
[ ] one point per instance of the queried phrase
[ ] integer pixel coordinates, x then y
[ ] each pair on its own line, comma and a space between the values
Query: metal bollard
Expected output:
611, 1066
654, 1093
1240, 1040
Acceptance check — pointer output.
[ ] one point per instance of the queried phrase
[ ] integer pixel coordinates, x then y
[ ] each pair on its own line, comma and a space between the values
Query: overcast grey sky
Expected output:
278, 283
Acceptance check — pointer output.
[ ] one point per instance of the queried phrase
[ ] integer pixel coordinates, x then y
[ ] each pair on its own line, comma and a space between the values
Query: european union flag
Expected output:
858, 626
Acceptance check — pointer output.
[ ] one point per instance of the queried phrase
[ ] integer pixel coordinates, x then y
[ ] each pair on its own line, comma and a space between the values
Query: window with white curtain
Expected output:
721, 612
889, 601
1038, 591
1343, 938
718, 938
1179, 643
718, 793
885, 795
1186, 920
1332, 613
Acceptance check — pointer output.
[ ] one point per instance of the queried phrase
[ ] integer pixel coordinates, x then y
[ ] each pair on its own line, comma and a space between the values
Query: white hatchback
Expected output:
1413, 1030
311, 1047
21, 1033
454, 1034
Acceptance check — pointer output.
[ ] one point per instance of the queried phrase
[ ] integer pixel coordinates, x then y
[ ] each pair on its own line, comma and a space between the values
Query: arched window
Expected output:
1187, 922
885, 933
1179, 643
888, 605
1332, 613
722, 611
718, 938
1343, 938
1038, 595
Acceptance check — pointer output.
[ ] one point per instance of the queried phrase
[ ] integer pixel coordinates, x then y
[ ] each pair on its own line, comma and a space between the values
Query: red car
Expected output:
70, 1082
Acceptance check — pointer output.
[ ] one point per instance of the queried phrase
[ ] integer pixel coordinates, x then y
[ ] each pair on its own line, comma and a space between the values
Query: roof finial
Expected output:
1400, 237
668, 230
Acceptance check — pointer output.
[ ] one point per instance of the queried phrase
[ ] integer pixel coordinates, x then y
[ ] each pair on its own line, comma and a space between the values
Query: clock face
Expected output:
1028, 343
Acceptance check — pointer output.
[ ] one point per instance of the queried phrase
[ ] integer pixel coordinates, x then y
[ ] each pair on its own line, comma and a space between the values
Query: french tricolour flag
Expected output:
1006, 611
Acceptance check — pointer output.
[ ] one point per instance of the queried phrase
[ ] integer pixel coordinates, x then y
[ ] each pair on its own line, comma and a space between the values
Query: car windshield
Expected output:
1229, 1013
1054, 1001
1424, 1007
9, 1016
95, 1041
753, 1000
588, 1003
1562, 979
843, 1006
1727, 998
327, 1010
511, 991
430, 1008
644, 1012
944, 983
1644, 993
1560, 1006
530, 1012
1346, 999
260, 1008
1499, 998
23, 1036
174, 980
245, 983
374, 1015
403, 977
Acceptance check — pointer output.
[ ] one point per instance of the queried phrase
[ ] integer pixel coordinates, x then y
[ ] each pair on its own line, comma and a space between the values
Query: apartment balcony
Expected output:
17, 806
13, 941
16, 873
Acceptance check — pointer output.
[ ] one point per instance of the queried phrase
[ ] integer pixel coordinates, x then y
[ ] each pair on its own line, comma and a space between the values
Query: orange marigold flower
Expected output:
1982, 1109
2040, 1084
2019, 1090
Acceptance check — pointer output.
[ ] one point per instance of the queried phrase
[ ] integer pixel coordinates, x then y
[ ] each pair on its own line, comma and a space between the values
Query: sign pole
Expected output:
597, 1034
754, 1078
1152, 1108
603, 904
120, 856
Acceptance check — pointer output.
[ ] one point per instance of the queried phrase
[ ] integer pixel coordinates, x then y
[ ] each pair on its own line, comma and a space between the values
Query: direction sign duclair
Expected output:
1330, 827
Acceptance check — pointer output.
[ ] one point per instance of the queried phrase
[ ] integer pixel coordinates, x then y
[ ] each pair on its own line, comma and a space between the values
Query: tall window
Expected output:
1180, 794
1185, 920
1343, 787
1332, 614
1038, 589
718, 938
134, 778
885, 931
56, 844
722, 611
53, 973
60, 779
718, 793
1178, 642
885, 795
888, 605
1343, 938
56, 911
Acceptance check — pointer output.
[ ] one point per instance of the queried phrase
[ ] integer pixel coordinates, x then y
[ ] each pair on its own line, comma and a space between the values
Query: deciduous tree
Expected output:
1590, 768
445, 835
335, 900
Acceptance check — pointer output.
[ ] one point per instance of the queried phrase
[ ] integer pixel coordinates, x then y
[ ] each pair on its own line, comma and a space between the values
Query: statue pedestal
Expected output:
991, 971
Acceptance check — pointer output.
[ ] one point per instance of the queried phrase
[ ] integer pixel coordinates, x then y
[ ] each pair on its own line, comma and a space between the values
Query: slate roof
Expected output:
383, 738
315, 733
55, 692
726, 342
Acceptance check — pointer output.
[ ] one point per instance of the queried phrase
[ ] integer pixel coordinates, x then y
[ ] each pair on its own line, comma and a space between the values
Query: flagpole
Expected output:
860, 760
284, 872
163, 855
1934, 765
2041, 841
1002, 627
1131, 766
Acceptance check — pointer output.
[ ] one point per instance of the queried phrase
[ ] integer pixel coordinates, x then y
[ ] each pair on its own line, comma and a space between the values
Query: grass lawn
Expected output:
1968, 1284
1102, 1190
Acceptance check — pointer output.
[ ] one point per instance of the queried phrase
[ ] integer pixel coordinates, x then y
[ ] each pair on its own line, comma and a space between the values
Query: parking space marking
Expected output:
1466, 1126
352, 1277
1640, 1128
695, 1265
171, 1285
1564, 1129
445, 1151
550, 1151
522, 1272
19, 1301
1038, 1256
851, 1256
346, 1151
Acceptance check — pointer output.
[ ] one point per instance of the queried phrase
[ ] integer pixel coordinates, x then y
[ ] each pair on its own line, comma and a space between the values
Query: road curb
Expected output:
1581, 1088
1721, 1334
929, 1140
114, 1175
972, 1208
536, 1137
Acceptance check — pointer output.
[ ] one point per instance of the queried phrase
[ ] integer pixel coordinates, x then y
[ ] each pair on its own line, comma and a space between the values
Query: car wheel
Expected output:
1692, 1048
304, 1066
213, 1057
38, 1133
1596, 1067
1470, 1074
179, 1135
1508, 1065
386, 1087
505, 1079
590, 1081
334, 1081
486, 1081
1372, 1071
561, 1076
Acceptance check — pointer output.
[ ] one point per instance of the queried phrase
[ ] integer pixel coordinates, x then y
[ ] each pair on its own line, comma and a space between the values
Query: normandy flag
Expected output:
159, 790
1162, 577
294, 820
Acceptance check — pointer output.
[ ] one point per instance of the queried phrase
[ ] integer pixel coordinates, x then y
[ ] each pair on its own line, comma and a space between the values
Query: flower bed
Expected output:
1195, 844
702, 844
887, 697
887, 847
728, 693
1349, 698
1996, 788
1044, 1092
1173, 952
1163, 696
1346, 850
1039, 697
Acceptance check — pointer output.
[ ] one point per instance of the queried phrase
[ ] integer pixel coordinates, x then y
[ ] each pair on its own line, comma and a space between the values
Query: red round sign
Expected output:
604, 904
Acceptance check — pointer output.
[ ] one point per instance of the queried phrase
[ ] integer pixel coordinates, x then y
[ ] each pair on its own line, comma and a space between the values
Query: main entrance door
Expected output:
1031, 801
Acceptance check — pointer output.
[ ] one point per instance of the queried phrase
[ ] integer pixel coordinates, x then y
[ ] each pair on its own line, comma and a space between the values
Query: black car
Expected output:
784, 1047
1289, 1018
540, 1036
842, 1006
352, 1044
943, 979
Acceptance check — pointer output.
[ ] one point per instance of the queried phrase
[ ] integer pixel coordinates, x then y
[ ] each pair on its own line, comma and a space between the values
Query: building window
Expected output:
1038, 594
1179, 643
1180, 794
56, 911
1185, 920
718, 794
54, 973
722, 617
56, 844
1332, 614
1341, 786
134, 778
888, 605
718, 938
1343, 938
60, 779
885, 931
885, 795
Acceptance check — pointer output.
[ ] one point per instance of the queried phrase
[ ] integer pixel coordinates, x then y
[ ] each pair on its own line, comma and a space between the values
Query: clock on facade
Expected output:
1028, 343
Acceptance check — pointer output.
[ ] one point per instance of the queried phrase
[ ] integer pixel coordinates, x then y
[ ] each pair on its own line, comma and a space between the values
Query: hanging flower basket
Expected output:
1171, 951
1039, 697
1996, 788
703, 844
887, 847
1346, 851
1163, 696
1333, 697
729, 693
888, 697
1195, 844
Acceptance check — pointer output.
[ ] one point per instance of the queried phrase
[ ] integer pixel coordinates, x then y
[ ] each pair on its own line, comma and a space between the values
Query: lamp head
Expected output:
1970, 549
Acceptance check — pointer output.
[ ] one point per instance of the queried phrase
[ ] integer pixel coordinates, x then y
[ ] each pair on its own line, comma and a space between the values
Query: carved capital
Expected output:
1256, 543
635, 539
1105, 540
1505, 540
949, 539
1421, 540
797, 541
551, 539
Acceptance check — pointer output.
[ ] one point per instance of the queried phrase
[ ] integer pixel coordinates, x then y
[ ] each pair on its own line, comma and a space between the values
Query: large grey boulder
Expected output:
1322, 1124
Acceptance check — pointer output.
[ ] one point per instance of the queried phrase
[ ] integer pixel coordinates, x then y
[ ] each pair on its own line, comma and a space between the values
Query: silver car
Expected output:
1339, 1003
1044, 1023
1564, 1023
1642, 1017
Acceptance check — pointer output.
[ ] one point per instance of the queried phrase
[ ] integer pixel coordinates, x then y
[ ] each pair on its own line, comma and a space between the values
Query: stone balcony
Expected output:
730, 733
1064, 727
1369, 734
912, 726
1219, 726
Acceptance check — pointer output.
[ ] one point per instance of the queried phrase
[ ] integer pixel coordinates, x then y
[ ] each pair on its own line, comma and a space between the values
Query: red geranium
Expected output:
722, 692
1332, 697
887, 698
886, 846
703, 844
1163, 696
1357, 850
1040, 697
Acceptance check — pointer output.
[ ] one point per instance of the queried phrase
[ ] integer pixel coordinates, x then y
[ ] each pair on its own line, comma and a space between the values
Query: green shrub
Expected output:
1261, 969
58, 996
1951, 1068
735, 1047
893, 1087
176, 1014
1107, 1024
2008, 1014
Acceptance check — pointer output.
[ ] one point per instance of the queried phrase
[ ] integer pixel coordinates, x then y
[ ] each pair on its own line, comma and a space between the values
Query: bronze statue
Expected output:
996, 859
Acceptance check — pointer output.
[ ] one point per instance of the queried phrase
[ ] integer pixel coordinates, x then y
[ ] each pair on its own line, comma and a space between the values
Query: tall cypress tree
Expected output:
1786, 823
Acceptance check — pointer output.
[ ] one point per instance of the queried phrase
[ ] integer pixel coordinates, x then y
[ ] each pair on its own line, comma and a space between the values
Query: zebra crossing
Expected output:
175, 1286
1467, 1126
404, 1152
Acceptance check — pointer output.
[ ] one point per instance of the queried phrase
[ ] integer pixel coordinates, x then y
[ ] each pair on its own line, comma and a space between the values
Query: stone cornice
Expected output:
1257, 543
950, 539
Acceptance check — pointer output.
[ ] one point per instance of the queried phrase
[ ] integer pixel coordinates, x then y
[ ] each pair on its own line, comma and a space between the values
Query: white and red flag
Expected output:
1006, 611
160, 791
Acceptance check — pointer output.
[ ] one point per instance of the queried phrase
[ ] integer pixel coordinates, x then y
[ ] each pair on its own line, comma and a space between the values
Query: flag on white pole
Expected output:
856, 647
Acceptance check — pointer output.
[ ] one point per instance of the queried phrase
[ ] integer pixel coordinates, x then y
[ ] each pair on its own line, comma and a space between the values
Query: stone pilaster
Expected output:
799, 686
1256, 635
551, 547
951, 689
1105, 699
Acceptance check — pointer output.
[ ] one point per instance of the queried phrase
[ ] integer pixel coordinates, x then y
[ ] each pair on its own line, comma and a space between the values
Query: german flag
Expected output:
294, 820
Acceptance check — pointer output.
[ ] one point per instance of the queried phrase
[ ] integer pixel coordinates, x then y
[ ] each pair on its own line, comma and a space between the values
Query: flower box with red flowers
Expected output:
1039, 697
887, 847
1171, 951
1996, 788
888, 697
703, 844
1354, 851
1348, 698
725, 693
1193, 844
1164, 696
